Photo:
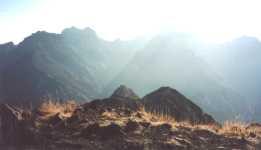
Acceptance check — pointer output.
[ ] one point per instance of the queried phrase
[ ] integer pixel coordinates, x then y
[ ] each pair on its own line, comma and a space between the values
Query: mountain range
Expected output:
78, 64
75, 64
169, 60
238, 63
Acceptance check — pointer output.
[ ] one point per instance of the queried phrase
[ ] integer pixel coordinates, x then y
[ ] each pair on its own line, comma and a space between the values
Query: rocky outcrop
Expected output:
15, 126
124, 93
168, 101
120, 124
96, 125
124, 97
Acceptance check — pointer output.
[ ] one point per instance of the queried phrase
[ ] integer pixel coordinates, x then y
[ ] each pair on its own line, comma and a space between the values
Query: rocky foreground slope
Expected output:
120, 122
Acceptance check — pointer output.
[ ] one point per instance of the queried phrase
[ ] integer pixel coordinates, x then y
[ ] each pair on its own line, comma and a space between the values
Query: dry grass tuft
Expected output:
157, 117
235, 128
50, 108
210, 127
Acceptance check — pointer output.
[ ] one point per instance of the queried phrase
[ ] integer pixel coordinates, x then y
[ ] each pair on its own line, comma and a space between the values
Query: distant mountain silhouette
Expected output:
78, 64
73, 65
238, 62
124, 92
169, 60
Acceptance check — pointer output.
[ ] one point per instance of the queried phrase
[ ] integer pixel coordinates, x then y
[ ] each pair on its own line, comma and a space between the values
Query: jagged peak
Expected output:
7, 45
82, 32
89, 30
124, 92
70, 30
42, 33
39, 35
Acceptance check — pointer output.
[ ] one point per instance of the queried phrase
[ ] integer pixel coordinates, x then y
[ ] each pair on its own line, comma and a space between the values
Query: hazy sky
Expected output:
213, 20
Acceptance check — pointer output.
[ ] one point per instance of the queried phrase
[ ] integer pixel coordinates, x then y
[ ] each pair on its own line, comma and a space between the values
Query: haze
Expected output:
213, 21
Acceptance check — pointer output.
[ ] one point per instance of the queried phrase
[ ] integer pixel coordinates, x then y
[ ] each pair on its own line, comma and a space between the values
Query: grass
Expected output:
141, 115
50, 108
156, 117
231, 128
236, 128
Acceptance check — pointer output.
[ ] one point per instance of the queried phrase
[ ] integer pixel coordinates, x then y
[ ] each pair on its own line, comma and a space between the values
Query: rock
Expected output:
123, 97
103, 132
15, 126
252, 135
168, 101
145, 124
90, 130
114, 124
99, 126
131, 126
163, 128
55, 120
110, 131
124, 93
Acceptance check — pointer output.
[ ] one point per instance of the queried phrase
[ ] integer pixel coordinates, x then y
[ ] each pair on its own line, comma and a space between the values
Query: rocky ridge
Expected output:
115, 124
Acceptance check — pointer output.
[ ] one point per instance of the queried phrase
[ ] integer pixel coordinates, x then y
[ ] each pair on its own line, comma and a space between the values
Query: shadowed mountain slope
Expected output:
75, 64
170, 102
238, 62
169, 60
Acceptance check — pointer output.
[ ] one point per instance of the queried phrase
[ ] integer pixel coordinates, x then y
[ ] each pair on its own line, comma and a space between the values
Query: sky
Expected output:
211, 20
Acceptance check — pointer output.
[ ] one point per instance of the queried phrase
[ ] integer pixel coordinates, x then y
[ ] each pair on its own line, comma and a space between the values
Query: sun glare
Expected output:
213, 21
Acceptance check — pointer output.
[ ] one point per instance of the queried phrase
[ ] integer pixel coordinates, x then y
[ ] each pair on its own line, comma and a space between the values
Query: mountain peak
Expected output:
70, 30
7, 45
39, 36
169, 101
42, 34
167, 89
89, 30
73, 31
124, 92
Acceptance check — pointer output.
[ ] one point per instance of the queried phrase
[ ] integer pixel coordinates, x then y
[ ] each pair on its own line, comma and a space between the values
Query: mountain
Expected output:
104, 58
75, 64
78, 64
169, 60
170, 102
165, 101
124, 92
238, 62
99, 125
5, 50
